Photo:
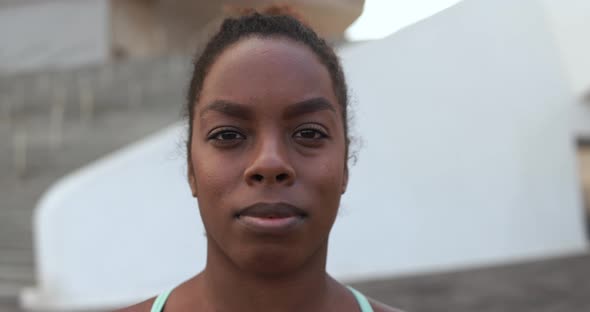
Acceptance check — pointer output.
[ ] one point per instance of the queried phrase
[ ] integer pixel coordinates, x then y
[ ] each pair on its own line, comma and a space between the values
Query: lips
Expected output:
271, 218
271, 210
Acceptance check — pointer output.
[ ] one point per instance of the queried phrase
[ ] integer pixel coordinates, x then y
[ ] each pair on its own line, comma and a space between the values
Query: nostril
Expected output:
258, 177
282, 177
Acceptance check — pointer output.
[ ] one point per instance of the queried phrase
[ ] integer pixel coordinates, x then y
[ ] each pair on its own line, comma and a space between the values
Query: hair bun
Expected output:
272, 9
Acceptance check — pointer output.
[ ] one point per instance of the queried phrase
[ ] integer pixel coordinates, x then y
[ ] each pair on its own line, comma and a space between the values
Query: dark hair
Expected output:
272, 24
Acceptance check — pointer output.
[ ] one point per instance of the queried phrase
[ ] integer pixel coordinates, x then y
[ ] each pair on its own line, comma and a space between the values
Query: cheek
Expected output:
326, 178
215, 177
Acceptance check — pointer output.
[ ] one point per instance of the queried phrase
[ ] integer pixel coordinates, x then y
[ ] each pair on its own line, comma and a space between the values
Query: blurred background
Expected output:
80, 80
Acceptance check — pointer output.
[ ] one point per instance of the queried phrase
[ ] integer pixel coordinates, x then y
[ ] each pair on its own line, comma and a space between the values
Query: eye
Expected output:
225, 137
310, 134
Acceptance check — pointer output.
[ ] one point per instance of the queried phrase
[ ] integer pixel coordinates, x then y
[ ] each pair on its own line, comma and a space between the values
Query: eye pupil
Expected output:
229, 136
308, 134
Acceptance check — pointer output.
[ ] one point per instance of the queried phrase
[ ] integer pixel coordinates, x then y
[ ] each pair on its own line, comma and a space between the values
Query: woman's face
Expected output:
268, 163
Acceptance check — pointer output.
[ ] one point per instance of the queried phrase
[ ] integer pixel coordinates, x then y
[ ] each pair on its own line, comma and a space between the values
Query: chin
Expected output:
272, 260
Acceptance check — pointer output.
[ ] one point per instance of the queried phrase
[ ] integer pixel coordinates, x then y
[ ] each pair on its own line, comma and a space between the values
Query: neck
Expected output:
231, 288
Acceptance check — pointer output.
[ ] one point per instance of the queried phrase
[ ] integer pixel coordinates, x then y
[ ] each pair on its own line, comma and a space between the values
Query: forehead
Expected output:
269, 70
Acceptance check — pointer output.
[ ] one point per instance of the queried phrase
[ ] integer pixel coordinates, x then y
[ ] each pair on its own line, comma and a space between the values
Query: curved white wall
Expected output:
570, 23
469, 140
468, 159
117, 230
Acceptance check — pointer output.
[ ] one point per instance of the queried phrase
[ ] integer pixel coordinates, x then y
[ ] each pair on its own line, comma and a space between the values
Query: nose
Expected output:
270, 165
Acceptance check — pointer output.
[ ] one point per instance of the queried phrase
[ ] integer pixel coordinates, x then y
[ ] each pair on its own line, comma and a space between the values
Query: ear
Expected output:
192, 180
345, 180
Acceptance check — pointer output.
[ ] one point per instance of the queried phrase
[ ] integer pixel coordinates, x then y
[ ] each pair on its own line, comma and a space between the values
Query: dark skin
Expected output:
267, 129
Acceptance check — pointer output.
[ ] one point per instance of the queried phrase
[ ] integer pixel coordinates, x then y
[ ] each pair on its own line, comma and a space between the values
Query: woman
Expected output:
267, 162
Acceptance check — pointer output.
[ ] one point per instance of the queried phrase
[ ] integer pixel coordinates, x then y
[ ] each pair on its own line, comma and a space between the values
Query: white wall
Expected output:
469, 147
570, 25
105, 234
56, 33
468, 159
581, 120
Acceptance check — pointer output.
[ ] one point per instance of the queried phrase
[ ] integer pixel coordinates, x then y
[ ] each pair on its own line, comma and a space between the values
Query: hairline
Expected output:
279, 36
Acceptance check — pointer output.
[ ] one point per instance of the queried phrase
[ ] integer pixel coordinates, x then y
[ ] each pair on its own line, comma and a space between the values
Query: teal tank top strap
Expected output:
362, 300
160, 301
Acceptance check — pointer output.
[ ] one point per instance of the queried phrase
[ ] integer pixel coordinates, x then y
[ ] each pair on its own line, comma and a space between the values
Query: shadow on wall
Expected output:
584, 169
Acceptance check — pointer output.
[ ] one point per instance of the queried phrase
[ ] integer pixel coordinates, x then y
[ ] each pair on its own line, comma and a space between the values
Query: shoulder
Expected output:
380, 307
144, 306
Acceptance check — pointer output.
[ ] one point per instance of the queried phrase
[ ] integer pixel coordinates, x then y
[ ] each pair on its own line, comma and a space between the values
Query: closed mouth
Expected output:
271, 218
271, 211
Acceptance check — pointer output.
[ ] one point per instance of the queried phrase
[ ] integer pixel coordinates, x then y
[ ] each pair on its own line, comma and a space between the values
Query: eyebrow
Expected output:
228, 108
294, 110
307, 107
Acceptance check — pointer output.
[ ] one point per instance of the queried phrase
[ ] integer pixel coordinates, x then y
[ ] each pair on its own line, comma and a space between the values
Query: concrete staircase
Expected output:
54, 122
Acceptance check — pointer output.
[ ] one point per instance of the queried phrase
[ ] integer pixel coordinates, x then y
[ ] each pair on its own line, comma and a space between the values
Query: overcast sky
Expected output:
383, 17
